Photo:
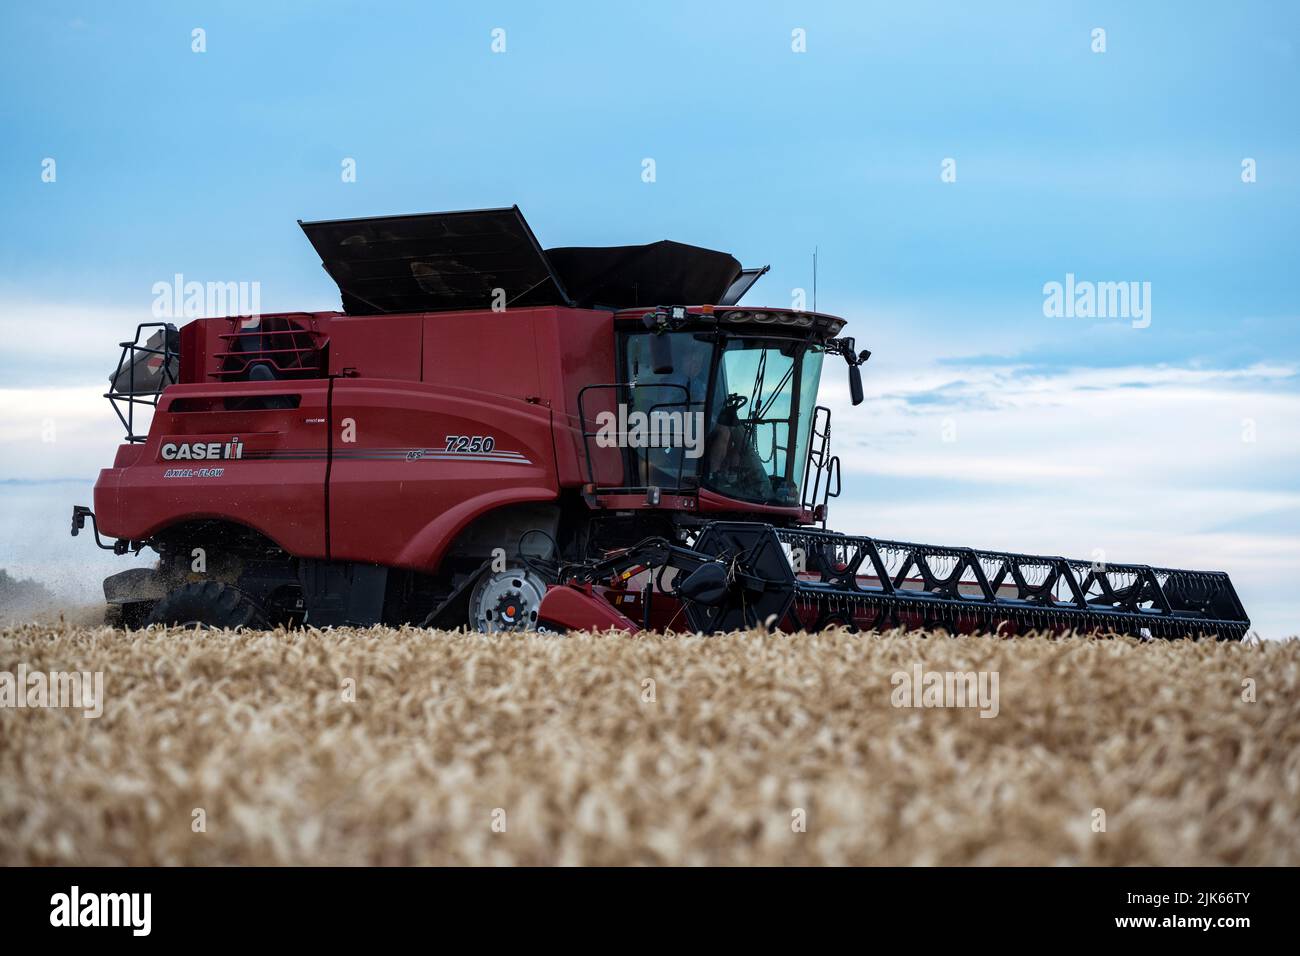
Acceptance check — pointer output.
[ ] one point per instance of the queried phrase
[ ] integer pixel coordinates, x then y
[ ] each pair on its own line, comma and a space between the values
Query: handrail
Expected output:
131, 353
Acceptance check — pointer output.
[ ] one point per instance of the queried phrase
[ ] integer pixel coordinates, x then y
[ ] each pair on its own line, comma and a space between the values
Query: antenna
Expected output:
814, 278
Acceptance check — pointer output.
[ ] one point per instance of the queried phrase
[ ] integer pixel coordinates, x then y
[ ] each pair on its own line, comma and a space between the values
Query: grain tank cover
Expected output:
435, 262
660, 273
448, 261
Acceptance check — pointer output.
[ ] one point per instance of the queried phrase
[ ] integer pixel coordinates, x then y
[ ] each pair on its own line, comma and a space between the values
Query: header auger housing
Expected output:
494, 435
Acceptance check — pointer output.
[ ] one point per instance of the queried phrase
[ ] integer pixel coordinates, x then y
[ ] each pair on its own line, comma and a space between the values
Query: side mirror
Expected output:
855, 384
854, 360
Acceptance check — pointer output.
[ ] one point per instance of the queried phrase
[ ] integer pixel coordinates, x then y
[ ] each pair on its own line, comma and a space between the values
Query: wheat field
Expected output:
388, 746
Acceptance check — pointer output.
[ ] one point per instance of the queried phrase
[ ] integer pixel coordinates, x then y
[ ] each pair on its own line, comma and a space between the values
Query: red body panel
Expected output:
416, 425
401, 490
577, 609
277, 486
710, 502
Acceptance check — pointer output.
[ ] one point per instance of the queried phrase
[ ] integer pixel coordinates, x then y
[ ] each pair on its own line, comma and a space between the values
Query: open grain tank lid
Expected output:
447, 261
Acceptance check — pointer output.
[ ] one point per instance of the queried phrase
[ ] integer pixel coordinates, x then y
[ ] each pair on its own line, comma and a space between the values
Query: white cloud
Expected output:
54, 420
56, 432
63, 343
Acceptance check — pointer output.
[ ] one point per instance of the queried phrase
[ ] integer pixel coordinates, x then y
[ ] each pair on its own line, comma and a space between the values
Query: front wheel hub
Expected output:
506, 601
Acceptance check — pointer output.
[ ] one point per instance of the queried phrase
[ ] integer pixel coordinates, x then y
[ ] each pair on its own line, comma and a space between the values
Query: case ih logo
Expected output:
201, 450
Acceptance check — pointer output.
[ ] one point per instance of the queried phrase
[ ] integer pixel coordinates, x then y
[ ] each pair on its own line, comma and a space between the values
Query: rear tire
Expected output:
128, 616
213, 604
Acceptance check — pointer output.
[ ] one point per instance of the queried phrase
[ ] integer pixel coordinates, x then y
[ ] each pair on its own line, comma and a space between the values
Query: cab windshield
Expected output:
733, 416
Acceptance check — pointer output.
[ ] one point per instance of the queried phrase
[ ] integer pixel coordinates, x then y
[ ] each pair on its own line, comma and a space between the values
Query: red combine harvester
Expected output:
503, 437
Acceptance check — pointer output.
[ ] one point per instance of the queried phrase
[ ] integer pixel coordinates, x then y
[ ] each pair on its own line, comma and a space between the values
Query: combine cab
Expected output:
498, 436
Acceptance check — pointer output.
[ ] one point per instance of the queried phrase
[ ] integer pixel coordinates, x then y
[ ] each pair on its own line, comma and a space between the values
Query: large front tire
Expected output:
213, 604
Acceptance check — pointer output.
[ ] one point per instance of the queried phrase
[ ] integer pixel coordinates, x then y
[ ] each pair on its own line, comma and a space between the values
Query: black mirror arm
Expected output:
848, 348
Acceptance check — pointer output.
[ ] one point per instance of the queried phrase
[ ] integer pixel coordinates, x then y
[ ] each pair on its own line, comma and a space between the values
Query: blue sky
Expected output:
1070, 434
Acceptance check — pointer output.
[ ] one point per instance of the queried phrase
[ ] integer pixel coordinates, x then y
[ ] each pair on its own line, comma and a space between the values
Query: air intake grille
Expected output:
271, 347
